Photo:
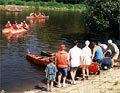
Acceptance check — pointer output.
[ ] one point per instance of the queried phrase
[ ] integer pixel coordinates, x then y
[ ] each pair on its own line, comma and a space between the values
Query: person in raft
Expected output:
50, 70
40, 15
62, 64
75, 58
43, 14
15, 26
114, 49
31, 14
86, 59
24, 25
34, 15
8, 25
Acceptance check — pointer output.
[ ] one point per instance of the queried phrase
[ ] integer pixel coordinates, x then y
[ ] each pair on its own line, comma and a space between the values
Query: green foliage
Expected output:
103, 15
3, 2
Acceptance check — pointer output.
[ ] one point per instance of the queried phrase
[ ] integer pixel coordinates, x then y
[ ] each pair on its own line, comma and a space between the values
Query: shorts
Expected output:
99, 61
115, 56
106, 62
62, 71
73, 68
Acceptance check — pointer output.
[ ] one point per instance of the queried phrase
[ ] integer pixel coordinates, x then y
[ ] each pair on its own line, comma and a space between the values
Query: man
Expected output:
104, 47
75, 57
114, 49
97, 54
8, 25
62, 64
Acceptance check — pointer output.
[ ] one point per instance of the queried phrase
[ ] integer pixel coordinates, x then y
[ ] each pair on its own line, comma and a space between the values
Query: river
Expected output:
17, 74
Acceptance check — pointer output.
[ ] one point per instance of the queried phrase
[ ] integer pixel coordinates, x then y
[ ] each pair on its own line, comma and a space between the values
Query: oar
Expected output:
28, 51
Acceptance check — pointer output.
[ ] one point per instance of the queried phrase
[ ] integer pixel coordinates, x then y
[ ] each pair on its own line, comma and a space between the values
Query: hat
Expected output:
87, 42
62, 47
109, 41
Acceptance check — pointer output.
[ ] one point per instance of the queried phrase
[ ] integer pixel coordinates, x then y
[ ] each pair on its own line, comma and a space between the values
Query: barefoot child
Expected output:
50, 73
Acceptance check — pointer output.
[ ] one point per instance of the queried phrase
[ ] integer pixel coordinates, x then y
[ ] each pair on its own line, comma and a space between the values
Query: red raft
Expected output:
43, 61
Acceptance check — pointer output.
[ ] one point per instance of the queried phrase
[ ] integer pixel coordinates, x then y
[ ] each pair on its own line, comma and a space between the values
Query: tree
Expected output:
103, 15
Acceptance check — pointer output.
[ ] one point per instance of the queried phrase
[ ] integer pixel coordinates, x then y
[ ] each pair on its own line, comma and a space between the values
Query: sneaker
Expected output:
64, 85
111, 69
47, 89
59, 85
87, 78
51, 89
74, 82
83, 79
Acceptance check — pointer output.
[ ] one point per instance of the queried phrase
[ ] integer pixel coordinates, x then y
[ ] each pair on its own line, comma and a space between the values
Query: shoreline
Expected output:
106, 82
2, 7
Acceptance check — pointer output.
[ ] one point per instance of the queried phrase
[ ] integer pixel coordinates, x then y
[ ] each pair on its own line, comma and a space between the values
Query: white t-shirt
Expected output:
74, 56
104, 47
87, 55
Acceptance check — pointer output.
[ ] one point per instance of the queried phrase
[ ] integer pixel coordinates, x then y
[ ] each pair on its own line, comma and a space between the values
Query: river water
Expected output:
17, 74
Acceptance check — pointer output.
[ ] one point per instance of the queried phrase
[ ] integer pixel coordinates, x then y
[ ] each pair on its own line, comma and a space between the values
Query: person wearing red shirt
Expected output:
24, 25
8, 25
34, 15
39, 15
15, 26
43, 14
62, 64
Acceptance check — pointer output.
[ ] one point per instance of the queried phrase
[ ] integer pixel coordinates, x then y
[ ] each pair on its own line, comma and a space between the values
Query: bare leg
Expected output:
112, 63
59, 78
87, 71
51, 85
64, 79
47, 84
72, 75
83, 71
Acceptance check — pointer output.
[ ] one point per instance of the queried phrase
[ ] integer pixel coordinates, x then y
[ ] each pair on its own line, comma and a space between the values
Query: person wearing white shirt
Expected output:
114, 49
75, 58
86, 59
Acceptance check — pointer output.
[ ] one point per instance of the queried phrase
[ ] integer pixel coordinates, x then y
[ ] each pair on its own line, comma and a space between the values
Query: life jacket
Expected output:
8, 25
43, 14
39, 15
34, 15
24, 25
15, 26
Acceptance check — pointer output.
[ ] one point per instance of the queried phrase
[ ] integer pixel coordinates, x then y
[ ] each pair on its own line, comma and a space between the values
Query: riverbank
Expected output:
106, 82
19, 7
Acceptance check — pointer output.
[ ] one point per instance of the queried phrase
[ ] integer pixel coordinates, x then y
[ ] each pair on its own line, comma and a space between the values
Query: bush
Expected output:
3, 2
103, 15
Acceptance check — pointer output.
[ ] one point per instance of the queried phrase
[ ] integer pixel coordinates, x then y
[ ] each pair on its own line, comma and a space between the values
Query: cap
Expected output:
109, 41
62, 47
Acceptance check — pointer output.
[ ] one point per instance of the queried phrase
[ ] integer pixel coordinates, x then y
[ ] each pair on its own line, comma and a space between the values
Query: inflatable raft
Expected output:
6, 30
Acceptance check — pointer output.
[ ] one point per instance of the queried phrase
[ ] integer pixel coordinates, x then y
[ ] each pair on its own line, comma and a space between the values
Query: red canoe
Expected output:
42, 60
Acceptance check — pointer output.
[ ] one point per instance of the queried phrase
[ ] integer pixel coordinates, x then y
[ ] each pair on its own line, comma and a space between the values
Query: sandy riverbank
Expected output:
106, 82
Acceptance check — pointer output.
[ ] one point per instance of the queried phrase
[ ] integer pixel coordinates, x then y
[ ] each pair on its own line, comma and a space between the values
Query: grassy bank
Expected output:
45, 5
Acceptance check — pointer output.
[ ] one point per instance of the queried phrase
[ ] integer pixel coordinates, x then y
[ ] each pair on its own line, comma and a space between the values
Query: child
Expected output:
50, 70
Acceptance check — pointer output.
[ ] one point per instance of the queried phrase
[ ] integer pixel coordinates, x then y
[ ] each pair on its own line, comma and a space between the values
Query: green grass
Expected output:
44, 4
116, 82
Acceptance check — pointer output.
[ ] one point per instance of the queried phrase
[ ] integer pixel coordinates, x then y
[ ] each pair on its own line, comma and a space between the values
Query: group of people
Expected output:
75, 57
39, 15
16, 26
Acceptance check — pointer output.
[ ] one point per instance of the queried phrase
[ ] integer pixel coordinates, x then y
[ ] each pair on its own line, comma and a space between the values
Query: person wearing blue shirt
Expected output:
50, 70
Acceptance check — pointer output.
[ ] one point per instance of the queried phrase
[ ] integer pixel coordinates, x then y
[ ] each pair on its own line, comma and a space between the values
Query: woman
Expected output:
86, 59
